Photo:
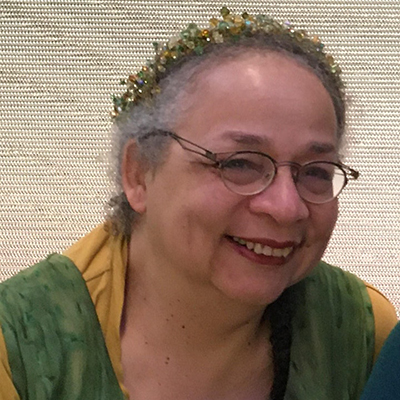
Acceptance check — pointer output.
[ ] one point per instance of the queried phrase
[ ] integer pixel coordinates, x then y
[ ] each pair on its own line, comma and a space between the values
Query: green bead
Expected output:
143, 85
224, 11
192, 26
223, 26
199, 50
261, 19
185, 35
117, 101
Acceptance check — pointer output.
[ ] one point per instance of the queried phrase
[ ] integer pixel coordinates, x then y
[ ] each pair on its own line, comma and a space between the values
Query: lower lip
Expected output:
258, 258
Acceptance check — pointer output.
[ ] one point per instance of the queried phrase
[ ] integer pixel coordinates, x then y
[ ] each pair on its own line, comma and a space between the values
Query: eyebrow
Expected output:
322, 148
250, 139
241, 137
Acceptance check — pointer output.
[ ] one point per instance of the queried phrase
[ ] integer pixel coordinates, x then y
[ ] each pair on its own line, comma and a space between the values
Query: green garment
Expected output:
333, 337
56, 349
55, 346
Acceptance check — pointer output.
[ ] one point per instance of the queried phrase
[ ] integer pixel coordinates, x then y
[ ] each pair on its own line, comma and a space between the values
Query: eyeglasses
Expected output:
250, 172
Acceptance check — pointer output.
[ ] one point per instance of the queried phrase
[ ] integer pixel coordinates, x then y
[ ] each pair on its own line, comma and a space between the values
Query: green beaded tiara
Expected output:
143, 85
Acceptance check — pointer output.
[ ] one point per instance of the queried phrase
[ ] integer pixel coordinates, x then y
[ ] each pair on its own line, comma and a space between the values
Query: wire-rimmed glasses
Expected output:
250, 172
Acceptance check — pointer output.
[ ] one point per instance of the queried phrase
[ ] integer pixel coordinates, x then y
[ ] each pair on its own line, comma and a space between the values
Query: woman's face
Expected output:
266, 103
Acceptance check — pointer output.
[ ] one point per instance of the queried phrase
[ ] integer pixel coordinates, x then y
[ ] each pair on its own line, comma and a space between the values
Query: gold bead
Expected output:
214, 22
218, 38
205, 33
315, 40
238, 20
330, 59
235, 30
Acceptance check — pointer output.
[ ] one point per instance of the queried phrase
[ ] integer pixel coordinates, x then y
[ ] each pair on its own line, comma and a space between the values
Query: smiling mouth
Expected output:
265, 250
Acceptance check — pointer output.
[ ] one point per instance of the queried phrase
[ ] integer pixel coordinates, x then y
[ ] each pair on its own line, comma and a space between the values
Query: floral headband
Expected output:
143, 85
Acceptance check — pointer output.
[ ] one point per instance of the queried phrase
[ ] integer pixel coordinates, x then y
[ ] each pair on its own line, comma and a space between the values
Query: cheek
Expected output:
208, 213
324, 217
321, 224
191, 209
187, 227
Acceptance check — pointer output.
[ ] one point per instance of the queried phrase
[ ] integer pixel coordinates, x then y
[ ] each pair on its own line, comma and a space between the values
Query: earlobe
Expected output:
133, 172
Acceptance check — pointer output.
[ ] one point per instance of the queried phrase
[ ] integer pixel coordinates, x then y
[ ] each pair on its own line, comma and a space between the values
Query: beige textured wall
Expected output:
61, 60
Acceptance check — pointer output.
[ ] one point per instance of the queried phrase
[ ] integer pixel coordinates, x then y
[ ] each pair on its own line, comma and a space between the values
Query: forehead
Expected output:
270, 96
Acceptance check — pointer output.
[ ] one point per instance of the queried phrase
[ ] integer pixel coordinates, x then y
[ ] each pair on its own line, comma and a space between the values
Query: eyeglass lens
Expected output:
250, 173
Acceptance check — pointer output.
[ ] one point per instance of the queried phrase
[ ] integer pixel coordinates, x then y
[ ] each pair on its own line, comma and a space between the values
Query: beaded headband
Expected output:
143, 85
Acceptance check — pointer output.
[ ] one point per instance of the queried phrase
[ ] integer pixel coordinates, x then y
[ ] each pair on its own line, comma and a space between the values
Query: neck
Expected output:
196, 341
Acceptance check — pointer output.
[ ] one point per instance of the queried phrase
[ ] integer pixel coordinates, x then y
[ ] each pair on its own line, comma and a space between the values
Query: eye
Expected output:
322, 172
244, 168
317, 178
241, 163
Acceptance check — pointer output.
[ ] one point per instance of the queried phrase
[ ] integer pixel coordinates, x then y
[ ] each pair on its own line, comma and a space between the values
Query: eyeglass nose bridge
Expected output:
294, 168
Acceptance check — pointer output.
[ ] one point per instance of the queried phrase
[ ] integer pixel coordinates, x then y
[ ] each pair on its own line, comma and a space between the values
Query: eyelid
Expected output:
231, 153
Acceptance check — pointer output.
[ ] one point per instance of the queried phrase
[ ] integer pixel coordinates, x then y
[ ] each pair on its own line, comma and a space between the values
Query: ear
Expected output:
133, 171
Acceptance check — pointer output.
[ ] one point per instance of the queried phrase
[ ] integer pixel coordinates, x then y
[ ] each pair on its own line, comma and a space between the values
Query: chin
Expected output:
255, 295
260, 284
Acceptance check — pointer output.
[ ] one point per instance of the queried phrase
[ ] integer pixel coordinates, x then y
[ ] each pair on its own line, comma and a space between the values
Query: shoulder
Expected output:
34, 280
99, 255
361, 295
332, 326
335, 297
31, 303
36, 291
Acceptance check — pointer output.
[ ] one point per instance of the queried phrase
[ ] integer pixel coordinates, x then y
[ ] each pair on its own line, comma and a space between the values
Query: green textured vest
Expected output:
56, 348
333, 337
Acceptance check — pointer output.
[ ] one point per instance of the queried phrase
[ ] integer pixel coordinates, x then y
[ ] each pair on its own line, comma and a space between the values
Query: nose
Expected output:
280, 199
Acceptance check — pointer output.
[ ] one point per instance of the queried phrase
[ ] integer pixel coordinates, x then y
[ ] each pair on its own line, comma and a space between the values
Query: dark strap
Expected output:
54, 341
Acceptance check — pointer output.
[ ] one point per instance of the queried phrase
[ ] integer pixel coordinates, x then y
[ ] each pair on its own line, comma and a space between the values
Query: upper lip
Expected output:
275, 244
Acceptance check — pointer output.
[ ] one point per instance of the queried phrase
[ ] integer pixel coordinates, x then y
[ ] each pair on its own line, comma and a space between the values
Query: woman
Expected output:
206, 280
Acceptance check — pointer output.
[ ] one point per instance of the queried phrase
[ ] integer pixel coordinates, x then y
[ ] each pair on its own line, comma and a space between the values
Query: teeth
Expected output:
258, 248
249, 245
278, 252
267, 251
286, 251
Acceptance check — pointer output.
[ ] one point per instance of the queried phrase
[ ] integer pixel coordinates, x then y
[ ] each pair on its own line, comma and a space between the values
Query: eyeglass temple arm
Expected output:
352, 173
205, 153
